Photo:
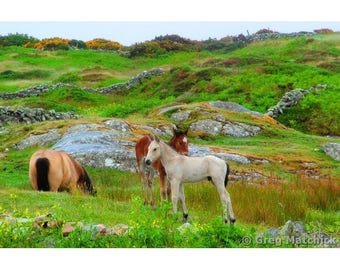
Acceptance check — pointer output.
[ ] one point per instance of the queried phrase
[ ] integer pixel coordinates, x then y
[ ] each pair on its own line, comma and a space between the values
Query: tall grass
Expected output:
277, 202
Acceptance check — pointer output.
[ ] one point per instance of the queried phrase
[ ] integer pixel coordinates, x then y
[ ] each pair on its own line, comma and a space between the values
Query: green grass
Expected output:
119, 201
256, 76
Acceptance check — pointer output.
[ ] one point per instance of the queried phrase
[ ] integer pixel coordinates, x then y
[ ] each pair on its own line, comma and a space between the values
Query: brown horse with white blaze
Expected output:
52, 170
179, 142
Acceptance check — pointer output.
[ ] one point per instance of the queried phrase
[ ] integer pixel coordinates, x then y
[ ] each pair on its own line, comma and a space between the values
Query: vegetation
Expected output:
255, 75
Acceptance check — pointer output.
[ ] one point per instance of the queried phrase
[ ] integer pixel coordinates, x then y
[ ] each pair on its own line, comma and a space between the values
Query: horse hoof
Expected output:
185, 218
232, 221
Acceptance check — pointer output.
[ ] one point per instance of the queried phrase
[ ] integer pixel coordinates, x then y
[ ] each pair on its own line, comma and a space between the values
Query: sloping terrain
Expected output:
279, 170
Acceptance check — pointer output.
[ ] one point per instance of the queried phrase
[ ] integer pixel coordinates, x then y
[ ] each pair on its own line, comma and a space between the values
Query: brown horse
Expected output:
179, 142
52, 170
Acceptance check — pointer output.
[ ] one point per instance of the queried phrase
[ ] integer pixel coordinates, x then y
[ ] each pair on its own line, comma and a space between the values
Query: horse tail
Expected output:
42, 165
226, 176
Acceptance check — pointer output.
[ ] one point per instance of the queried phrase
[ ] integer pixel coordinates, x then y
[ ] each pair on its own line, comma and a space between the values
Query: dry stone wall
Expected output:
28, 115
291, 99
40, 89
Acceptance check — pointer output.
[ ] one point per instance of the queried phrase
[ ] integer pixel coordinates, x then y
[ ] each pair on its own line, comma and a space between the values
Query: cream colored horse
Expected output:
183, 169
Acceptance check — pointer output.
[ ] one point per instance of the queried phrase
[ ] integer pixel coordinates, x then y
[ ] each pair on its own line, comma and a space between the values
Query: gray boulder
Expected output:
232, 106
208, 126
99, 149
293, 229
332, 150
240, 130
181, 116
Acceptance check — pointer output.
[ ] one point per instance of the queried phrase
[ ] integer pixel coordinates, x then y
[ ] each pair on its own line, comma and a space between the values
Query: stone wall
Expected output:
40, 89
291, 99
134, 81
270, 35
33, 91
28, 115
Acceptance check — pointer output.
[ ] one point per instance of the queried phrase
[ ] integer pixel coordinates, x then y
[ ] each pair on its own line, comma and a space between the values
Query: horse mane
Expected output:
169, 146
85, 180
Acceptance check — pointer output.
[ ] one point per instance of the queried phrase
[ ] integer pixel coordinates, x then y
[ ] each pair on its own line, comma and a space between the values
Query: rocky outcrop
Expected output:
223, 127
240, 130
295, 233
332, 150
291, 99
43, 139
232, 106
217, 124
28, 115
111, 145
97, 147
209, 126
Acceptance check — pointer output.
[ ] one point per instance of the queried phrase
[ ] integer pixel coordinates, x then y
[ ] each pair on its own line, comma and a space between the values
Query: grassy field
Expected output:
300, 183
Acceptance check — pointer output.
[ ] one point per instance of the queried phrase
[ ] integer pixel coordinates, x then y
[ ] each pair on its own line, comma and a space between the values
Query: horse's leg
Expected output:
175, 194
143, 177
182, 199
226, 201
168, 190
162, 176
150, 186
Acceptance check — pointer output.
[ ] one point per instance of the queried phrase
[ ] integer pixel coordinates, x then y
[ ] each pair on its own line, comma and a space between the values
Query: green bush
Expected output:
16, 40
24, 75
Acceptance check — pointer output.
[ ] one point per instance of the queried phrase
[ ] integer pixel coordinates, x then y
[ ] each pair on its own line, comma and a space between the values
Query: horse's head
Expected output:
179, 142
86, 183
154, 151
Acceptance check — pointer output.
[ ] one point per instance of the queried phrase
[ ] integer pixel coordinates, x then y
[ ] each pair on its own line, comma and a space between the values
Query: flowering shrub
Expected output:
103, 44
53, 44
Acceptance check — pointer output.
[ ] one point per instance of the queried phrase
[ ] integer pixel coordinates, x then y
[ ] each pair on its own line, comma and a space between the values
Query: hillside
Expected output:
288, 177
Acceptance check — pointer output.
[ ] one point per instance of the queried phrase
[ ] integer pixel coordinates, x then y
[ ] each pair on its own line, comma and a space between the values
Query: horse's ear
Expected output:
177, 131
156, 139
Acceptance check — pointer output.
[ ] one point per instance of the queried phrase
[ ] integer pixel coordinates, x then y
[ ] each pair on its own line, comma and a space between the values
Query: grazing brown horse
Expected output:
52, 170
179, 142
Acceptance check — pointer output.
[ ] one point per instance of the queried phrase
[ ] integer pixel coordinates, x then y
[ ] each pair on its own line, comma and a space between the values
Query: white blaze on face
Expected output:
185, 140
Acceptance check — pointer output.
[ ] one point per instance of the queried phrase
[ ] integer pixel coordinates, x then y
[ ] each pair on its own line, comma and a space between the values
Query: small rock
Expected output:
293, 229
70, 227
120, 229
118, 125
181, 116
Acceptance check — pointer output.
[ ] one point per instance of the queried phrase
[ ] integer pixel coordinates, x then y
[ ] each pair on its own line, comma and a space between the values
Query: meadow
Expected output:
301, 182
